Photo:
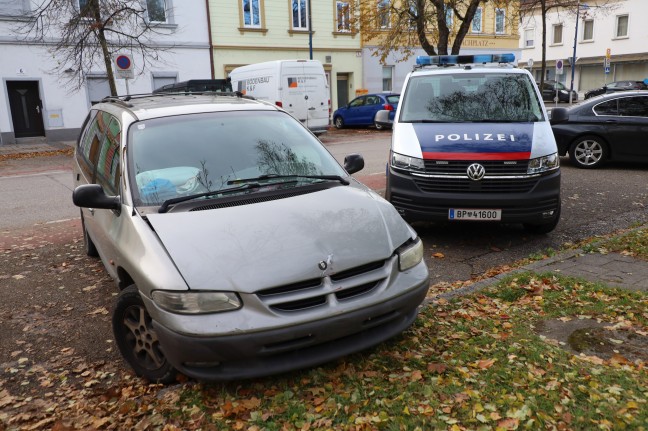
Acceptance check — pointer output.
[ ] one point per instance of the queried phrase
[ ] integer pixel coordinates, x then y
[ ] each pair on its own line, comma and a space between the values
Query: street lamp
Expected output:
573, 60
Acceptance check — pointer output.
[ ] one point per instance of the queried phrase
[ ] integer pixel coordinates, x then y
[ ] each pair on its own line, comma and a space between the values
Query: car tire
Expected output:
588, 152
379, 126
88, 245
544, 228
137, 340
339, 122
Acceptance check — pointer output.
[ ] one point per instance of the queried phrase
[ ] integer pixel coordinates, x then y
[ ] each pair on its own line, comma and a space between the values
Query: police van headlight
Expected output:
399, 161
544, 164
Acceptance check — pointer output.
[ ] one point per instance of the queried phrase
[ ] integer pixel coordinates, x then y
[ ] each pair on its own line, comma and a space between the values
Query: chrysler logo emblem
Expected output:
476, 172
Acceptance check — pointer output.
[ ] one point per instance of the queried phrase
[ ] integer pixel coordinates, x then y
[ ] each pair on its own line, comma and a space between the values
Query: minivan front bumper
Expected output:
532, 206
247, 355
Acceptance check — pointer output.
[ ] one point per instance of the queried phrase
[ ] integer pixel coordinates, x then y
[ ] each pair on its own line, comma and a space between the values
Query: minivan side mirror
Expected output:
93, 196
353, 163
559, 115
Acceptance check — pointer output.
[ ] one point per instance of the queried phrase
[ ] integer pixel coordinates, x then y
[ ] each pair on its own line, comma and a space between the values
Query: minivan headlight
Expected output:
410, 254
196, 302
400, 161
543, 164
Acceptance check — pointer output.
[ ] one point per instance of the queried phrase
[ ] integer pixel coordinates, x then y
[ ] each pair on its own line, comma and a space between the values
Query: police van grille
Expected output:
493, 167
312, 293
464, 185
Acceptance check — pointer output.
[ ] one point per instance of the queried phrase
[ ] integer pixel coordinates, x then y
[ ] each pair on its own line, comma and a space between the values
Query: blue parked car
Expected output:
362, 110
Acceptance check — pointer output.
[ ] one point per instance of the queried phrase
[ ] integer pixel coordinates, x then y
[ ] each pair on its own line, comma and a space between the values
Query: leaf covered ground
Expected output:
481, 361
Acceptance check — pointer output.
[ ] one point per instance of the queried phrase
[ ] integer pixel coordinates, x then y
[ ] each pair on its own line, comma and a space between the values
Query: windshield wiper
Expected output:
425, 121
273, 176
167, 203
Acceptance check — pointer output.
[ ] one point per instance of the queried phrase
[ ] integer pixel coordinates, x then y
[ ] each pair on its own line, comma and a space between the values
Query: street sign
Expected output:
123, 67
607, 70
559, 67
608, 53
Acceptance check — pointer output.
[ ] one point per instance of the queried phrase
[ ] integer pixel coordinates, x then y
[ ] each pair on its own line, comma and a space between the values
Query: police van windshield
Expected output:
474, 97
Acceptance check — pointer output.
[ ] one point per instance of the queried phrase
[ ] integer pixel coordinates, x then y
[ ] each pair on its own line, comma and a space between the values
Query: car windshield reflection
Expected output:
202, 154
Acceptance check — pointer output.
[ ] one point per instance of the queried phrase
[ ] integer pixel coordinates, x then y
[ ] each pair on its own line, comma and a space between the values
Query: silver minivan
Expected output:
241, 247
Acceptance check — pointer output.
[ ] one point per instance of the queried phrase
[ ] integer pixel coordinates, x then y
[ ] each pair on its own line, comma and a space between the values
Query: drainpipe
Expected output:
211, 45
310, 31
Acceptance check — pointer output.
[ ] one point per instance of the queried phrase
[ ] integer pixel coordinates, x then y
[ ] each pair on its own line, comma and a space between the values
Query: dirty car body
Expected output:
243, 248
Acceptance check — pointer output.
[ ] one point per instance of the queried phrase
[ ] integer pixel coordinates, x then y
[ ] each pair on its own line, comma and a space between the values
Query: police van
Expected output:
472, 142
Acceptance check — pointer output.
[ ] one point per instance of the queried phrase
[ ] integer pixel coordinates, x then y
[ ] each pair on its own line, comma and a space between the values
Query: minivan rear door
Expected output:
305, 93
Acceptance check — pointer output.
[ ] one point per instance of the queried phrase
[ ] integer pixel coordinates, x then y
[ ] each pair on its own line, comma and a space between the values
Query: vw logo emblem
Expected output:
322, 265
476, 172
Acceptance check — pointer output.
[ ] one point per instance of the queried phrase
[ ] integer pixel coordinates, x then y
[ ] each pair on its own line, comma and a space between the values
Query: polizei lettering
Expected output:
501, 137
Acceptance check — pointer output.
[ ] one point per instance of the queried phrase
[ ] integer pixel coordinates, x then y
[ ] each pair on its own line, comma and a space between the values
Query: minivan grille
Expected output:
317, 292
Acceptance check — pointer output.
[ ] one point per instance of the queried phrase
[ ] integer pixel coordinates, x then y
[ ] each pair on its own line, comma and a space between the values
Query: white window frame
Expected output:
528, 39
616, 26
343, 16
477, 22
252, 14
502, 12
302, 14
388, 80
585, 23
553, 34
166, 12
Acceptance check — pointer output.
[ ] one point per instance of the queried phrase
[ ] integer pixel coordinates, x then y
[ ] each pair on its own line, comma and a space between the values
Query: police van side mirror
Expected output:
93, 196
353, 163
559, 115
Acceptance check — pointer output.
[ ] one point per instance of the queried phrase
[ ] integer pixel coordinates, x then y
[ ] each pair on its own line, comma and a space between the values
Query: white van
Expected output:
472, 142
297, 86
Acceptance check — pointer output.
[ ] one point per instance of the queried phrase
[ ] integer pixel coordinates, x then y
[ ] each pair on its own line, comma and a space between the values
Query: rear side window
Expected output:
393, 99
607, 108
108, 163
89, 147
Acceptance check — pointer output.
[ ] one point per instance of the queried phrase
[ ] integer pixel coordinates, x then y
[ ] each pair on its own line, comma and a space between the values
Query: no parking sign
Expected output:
123, 67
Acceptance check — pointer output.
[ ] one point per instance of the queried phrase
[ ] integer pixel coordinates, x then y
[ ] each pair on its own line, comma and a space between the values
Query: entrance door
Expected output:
26, 108
342, 89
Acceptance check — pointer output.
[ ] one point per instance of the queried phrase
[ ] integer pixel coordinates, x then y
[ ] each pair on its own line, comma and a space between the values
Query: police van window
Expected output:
479, 97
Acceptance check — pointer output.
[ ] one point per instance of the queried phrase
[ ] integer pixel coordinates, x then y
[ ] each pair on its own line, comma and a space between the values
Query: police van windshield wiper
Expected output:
167, 203
425, 121
273, 176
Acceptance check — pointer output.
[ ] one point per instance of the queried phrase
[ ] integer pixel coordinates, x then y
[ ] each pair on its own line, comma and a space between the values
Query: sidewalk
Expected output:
612, 269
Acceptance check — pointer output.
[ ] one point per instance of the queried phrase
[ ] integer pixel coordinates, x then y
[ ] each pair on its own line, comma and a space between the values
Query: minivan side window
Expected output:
89, 146
108, 172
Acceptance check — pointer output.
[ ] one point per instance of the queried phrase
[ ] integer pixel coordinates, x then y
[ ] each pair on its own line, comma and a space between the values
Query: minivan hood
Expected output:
250, 247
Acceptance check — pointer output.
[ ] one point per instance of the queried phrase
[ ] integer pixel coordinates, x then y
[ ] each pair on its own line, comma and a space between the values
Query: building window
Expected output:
499, 21
557, 34
449, 16
387, 78
588, 30
477, 21
98, 88
529, 38
156, 10
621, 26
383, 14
299, 15
343, 14
251, 13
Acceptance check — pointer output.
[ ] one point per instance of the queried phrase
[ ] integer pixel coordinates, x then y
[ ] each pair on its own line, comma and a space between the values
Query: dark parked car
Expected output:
362, 110
550, 88
609, 127
617, 86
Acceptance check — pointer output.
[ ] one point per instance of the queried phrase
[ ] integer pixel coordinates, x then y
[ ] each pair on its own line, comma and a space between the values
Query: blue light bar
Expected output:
428, 60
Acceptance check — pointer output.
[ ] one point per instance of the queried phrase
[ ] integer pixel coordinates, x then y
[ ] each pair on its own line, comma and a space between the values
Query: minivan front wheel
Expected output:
137, 340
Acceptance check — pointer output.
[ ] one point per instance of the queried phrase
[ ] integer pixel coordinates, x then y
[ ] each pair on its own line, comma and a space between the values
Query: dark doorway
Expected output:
26, 108
342, 89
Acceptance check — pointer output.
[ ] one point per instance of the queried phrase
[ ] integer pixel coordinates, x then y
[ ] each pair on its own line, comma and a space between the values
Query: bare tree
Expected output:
529, 9
83, 34
436, 26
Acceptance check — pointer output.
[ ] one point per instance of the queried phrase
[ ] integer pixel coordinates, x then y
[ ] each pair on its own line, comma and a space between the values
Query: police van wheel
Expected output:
339, 122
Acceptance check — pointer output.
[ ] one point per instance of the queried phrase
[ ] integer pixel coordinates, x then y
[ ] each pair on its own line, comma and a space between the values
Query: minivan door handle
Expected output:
311, 109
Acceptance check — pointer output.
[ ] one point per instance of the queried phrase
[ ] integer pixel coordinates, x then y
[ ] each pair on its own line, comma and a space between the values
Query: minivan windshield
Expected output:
194, 154
470, 97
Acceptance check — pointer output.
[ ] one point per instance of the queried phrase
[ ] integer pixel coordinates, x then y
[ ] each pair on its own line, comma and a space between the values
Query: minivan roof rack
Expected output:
464, 60
124, 99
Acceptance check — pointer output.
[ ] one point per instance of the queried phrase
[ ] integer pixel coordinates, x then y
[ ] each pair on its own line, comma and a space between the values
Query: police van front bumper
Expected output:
532, 199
